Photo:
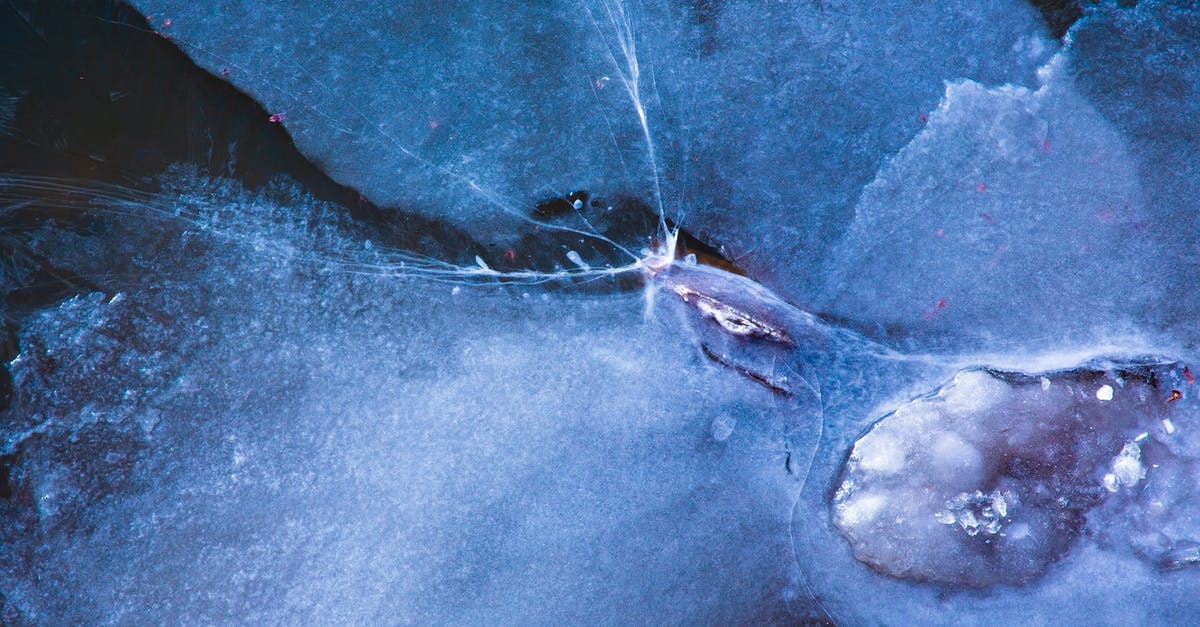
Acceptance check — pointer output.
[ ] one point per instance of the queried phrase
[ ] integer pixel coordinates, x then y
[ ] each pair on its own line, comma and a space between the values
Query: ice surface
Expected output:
1015, 215
244, 432
1002, 194
978, 493
1047, 214
263, 417
764, 121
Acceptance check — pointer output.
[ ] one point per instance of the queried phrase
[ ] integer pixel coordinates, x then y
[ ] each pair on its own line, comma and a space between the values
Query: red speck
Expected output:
1045, 145
1187, 375
980, 187
936, 309
510, 255
1107, 216
987, 217
276, 118
1175, 395
940, 232
922, 118
167, 22
433, 124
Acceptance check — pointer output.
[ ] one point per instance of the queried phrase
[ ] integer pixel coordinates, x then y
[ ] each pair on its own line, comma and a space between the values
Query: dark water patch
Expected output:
95, 94
1059, 14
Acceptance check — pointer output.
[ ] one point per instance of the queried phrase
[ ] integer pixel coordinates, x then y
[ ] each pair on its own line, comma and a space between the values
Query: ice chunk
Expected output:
1105, 392
997, 222
576, 259
1127, 469
733, 117
932, 483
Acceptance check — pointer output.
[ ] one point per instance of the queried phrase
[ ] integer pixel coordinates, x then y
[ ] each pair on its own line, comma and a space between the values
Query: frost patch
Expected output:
993, 477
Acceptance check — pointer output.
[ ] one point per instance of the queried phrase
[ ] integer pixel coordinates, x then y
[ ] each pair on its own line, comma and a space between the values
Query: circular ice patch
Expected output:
990, 479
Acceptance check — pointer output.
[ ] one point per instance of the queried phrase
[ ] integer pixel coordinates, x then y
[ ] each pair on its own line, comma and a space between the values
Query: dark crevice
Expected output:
101, 97
93, 99
1059, 14
104, 97
6, 466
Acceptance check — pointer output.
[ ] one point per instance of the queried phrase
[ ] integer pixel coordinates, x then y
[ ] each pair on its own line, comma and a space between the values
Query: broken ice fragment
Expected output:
576, 259
1127, 469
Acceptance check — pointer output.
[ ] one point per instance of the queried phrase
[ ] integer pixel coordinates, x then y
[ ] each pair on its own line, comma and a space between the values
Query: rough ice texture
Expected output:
1054, 214
1008, 196
766, 119
999, 193
249, 432
993, 477
246, 433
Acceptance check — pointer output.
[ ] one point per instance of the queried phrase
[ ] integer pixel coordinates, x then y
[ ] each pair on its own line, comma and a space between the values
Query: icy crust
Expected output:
797, 105
251, 432
1141, 67
762, 119
1020, 213
994, 477
1011, 216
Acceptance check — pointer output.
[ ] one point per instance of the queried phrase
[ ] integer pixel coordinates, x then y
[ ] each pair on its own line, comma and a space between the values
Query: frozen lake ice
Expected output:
681, 312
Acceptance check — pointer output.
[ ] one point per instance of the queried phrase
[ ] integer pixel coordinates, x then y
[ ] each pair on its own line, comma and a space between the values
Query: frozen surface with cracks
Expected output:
755, 123
371, 448
261, 427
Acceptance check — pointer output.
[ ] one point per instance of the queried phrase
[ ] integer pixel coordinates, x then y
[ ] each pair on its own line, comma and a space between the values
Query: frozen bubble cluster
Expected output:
994, 476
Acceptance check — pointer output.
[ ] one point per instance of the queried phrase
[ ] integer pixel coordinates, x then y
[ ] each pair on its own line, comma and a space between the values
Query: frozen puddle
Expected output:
995, 475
